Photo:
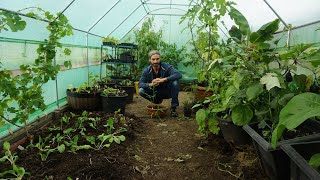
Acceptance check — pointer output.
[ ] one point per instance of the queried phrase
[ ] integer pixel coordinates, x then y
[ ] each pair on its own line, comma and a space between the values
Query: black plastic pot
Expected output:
108, 43
274, 161
113, 103
299, 153
83, 101
232, 133
130, 91
187, 112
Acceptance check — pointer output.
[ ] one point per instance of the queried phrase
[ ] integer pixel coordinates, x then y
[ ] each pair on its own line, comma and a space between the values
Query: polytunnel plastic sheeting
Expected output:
51, 6
34, 30
121, 19
256, 12
297, 12
84, 14
168, 7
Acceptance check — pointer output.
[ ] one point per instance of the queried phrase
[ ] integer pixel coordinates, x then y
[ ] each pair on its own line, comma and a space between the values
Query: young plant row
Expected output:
71, 134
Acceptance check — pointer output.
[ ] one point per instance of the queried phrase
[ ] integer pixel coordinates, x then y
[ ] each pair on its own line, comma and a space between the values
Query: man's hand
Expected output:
154, 82
157, 81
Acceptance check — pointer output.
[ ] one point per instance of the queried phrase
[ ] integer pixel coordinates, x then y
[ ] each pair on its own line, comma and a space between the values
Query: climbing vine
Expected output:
22, 94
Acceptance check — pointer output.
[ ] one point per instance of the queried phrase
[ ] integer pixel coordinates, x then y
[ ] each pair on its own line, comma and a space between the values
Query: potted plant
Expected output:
84, 97
157, 110
105, 82
113, 99
110, 41
187, 108
128, 87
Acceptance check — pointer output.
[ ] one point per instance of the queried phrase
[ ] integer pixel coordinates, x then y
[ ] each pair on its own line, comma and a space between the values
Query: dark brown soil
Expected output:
166, 148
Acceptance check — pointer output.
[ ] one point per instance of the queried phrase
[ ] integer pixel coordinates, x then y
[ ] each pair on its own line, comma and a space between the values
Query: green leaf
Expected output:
241, 115
196, 105
240, 20
270, 80
230, 91
265, 33
85, 147
235, 32
238, 77
111, 139
314, 58
200, 118
110, 122
276, 134
285, 98
67, 64
107, 145
315, 161
61, 148
299, 109
254, 91
6, 146
67, 51
91, 139
213, 125
117, 140
122, 138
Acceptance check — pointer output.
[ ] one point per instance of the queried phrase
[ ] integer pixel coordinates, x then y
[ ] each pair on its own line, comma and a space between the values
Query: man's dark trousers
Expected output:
163, 91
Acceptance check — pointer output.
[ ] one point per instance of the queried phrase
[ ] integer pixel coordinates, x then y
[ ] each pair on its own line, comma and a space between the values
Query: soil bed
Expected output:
166, 148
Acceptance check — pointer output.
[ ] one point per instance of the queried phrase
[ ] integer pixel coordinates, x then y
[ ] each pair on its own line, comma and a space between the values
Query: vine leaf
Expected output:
270, 80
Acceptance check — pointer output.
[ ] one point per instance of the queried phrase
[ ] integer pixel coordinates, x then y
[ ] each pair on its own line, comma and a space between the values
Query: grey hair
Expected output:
153, 52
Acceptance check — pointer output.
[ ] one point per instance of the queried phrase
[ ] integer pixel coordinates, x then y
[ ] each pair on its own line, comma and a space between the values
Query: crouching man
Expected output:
160, 81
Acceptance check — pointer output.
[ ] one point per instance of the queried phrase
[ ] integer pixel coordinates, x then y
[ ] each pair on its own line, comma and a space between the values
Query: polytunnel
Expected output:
252, 61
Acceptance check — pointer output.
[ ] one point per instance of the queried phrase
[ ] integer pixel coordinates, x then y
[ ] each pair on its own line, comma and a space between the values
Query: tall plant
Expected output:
172, 54
147, 39
22, 94
202, 18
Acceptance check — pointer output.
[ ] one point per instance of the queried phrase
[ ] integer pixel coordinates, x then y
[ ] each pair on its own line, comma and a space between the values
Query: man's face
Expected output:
155, 60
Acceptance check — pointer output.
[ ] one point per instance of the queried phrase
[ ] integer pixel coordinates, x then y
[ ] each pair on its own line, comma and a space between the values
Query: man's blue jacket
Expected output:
166, 71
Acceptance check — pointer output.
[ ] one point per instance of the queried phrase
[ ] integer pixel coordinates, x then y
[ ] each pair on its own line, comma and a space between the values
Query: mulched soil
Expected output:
166, 148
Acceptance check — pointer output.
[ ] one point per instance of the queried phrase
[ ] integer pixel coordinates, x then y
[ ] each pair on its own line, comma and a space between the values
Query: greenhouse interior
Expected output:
167, 89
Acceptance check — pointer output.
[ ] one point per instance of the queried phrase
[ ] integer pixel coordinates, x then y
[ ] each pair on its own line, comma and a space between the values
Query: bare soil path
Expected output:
171, 148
